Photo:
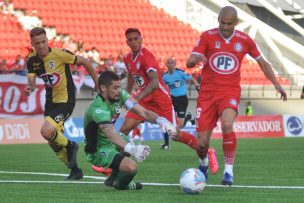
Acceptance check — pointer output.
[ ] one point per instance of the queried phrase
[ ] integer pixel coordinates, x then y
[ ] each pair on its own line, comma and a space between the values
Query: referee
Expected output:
176, 79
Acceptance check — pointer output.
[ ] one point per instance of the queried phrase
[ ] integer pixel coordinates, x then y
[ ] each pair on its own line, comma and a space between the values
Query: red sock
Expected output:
189, 140
202, 153
229, 147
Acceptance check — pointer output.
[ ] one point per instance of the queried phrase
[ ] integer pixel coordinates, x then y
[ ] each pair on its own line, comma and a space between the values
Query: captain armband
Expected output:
129, 104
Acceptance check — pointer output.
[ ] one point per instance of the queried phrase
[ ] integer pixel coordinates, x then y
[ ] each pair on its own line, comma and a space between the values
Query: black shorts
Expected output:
180, 105
57, 113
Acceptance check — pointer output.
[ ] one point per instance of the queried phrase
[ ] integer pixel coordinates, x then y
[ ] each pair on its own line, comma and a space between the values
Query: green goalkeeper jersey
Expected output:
101, 112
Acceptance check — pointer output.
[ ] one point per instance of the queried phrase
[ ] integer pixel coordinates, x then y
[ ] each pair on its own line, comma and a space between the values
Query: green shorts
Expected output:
103, 157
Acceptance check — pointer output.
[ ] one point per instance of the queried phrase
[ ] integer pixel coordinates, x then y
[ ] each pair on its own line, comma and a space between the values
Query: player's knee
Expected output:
132, 167
203, 146
227, 126
46, 132
124, 130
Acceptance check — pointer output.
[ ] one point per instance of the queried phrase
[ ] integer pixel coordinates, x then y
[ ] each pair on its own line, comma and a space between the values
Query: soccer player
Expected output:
221, 51
154, 94
52, 66
103, 146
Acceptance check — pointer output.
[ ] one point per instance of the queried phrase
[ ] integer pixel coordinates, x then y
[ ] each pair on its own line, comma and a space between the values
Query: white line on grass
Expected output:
103, 178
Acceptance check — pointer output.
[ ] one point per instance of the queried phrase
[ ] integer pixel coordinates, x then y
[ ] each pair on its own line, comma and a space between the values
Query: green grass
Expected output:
260, 162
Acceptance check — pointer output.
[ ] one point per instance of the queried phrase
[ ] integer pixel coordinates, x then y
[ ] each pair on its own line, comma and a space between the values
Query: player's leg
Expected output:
206, 118
229, 144
180, 105
123, 168
52, 130
203, 139
166, 110
130, 122
127, 171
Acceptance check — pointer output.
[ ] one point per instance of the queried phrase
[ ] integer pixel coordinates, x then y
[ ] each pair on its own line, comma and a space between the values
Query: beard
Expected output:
112, 100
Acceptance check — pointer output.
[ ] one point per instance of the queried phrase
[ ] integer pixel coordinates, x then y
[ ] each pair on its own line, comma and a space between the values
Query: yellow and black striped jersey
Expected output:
54, 70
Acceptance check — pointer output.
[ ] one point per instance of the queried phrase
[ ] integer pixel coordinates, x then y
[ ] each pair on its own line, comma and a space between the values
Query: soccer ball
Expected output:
192, 181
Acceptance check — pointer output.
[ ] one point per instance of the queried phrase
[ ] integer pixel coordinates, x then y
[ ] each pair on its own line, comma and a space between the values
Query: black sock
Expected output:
166, 138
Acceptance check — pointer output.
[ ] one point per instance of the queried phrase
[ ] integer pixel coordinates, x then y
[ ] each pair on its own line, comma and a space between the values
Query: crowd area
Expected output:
100, 64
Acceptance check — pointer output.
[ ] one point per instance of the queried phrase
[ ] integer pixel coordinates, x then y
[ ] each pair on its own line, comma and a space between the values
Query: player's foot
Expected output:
100, 169
203, 169
109, 182
75, 174
213, 163
164, 146
227, 179
132, 186
72, 149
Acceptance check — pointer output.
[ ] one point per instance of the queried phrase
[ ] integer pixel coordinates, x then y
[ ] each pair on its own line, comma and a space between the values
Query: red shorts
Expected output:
161, 105
136, 132
210, 107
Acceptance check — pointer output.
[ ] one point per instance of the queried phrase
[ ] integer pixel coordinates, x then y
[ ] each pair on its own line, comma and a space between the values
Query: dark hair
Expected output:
37, 31
129, 30
106, 78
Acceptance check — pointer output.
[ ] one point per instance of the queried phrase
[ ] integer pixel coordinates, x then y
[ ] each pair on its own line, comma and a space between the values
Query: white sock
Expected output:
228, 169
204, 162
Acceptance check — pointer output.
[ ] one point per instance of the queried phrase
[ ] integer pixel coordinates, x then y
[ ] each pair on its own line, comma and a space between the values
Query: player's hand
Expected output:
282, 92
139, 152
28, 90
166, 126
200, 60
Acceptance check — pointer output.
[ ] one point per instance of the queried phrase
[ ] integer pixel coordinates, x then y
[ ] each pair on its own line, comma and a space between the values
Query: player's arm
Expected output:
31, 84
139, 152
154, 84
268, 72
195, 83
109, 130
151, 117
87, 65
130, 83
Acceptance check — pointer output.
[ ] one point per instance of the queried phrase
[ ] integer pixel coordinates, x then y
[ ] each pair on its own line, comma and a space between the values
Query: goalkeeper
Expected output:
106, 148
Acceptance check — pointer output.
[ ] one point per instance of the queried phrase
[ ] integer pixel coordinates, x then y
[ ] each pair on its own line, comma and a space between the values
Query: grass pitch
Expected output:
266, 170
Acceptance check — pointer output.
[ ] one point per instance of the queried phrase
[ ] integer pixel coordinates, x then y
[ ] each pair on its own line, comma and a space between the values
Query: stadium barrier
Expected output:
24, 131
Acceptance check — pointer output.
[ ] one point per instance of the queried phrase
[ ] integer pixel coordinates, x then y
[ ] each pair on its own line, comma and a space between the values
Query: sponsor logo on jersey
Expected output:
137, 65
139, 80
36, 66
59, 118
212, 32
117, 108
294, 125
233, 102
238, 47
51, 79
240, 36
51, 65
223, 63
217, 45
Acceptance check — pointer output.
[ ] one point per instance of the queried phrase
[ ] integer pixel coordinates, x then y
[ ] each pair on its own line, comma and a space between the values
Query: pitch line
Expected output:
103, 178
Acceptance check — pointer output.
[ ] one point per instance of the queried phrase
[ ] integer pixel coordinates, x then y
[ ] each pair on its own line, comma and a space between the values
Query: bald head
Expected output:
227, 19
228, 11
171, 62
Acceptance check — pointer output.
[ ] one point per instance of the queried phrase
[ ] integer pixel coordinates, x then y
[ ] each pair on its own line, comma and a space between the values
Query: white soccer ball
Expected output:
192, 181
